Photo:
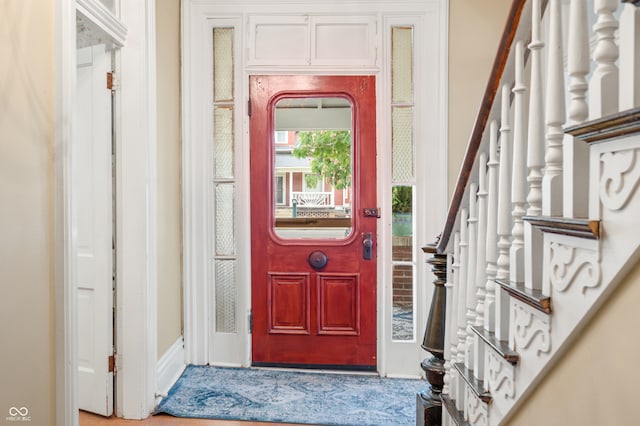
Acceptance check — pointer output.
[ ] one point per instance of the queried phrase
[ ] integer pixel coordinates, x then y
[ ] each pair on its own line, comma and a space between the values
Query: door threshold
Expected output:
364, 370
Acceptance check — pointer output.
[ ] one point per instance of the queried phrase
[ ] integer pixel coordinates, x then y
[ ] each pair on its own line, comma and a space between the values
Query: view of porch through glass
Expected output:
312, 167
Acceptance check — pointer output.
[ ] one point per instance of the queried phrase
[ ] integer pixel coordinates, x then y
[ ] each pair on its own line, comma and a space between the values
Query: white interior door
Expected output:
92, 180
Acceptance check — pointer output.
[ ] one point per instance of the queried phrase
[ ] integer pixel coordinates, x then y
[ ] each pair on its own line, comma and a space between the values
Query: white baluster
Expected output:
578, 61
603, 87
575, 153
555, 116
471, 271
504, 188
519, 183
461, 304
504, 217
535, 154
629, 56
481, 265
451, 349
492, 231
535, 135
481, 262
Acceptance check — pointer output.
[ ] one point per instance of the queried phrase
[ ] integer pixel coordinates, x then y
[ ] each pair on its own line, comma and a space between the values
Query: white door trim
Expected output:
196, 18
195, 224
136, 211
137, 237
66, 364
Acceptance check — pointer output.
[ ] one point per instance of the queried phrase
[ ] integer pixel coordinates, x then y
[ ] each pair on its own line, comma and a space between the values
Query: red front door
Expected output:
313, 241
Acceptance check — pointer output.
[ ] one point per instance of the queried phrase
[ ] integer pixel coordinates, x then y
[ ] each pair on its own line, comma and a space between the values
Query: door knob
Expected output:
367, 245
318, 259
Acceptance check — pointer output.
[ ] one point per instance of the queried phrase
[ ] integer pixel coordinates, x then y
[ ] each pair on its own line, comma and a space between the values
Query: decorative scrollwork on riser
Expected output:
571, 265
530, 330
501, 377
476, 409
619, 179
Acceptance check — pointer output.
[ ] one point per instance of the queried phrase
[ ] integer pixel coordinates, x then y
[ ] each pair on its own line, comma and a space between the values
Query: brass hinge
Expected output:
112, 363
110, 80
249, 108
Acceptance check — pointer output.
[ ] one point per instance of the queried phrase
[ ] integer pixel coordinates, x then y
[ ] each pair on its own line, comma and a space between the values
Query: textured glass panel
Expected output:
223, 142
402, 322
224, 220
222, 64
402, 140
225, 296
402, 64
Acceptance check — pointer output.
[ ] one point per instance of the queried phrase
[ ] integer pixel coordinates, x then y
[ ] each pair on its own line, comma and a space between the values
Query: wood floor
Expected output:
88, 419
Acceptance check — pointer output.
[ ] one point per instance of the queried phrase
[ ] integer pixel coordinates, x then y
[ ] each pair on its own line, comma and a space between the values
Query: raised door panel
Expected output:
343, 40
279, 40
339, 304
338, 41
288, 298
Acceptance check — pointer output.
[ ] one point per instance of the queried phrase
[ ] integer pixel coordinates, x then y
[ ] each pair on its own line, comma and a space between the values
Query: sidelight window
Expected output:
224, 182
403, 185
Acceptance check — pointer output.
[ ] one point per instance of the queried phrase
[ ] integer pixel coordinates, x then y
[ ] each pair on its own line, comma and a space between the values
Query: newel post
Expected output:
428, 402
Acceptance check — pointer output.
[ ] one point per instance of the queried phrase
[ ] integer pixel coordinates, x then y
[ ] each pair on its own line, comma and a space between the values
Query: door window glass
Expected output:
318, 161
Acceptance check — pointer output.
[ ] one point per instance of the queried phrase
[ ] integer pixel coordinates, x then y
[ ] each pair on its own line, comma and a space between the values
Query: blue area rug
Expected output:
291, 397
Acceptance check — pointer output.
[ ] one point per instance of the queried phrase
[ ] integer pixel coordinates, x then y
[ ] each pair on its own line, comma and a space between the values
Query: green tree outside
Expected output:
330, 155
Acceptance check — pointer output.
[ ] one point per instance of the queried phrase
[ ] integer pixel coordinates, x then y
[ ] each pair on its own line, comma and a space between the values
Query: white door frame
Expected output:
197, 18
136, 231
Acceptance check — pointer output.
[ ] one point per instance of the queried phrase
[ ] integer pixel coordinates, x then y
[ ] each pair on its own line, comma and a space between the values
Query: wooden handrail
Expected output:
513, 20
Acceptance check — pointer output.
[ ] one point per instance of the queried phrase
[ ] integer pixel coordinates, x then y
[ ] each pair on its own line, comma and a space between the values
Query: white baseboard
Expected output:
169, 368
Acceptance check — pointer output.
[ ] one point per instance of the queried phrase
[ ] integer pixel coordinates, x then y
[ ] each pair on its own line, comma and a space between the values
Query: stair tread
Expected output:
609, 127
500, 346
533, 298
450, 405
583, 228
477, 386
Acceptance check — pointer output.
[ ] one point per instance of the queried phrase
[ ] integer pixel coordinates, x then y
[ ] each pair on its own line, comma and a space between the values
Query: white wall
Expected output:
26, 209
169, 185
475, 28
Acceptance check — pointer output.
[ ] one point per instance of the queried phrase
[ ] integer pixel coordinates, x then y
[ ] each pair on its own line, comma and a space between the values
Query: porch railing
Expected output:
312, 199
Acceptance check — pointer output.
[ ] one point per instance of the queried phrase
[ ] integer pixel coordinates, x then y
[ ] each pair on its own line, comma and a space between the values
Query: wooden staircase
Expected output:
544, 221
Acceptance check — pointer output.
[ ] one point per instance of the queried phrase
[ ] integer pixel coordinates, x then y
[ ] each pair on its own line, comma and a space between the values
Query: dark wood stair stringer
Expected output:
612, 126
450, 405
499, 346
476, 386
533, 298
582, 228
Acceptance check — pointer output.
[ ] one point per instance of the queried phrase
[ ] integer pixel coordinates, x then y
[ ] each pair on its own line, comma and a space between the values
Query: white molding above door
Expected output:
103, 21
